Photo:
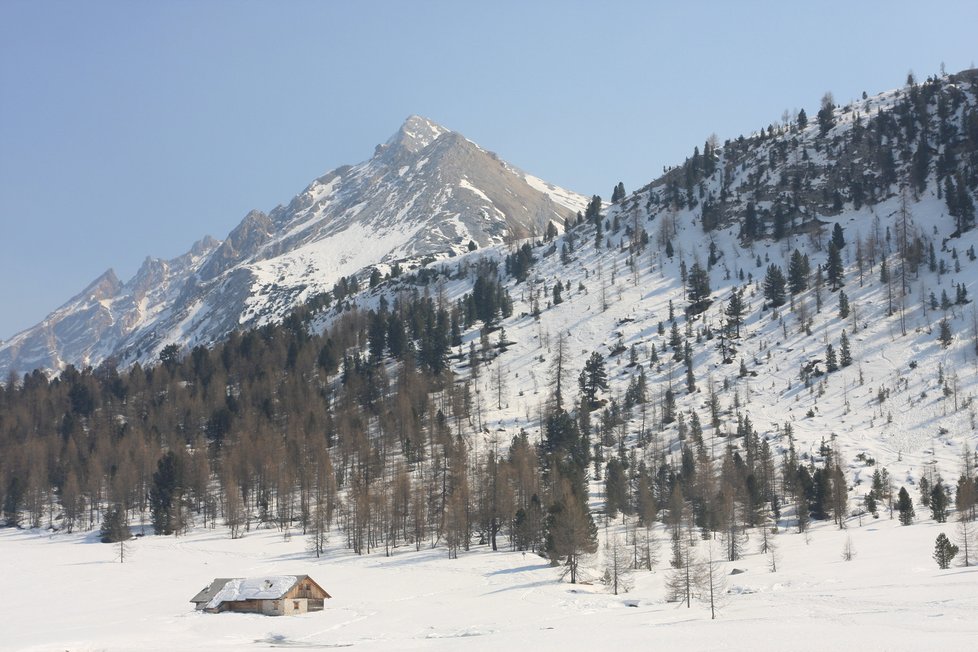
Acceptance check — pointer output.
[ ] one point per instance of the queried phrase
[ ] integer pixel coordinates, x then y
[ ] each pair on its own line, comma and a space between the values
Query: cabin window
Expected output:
275, 604
295, 605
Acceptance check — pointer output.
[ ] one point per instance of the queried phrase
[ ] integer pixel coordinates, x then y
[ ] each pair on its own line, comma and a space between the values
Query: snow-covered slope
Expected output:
906, 402
891, 596
426, 192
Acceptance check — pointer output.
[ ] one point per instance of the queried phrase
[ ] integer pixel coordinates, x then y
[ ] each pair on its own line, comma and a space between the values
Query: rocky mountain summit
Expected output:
426, 192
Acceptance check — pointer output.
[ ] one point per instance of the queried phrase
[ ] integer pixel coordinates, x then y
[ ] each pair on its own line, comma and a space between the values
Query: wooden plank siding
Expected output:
304, 596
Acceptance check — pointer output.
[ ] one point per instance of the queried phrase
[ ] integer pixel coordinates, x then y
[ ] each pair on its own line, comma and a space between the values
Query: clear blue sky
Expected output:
130, 129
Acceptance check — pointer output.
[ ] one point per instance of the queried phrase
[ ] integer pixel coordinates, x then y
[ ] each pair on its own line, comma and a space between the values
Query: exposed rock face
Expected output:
426, 191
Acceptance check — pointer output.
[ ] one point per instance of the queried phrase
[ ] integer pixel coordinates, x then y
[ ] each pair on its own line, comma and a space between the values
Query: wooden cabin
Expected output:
274, 595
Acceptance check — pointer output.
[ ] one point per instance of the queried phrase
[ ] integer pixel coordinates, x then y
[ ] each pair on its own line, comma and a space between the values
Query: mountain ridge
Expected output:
426, 191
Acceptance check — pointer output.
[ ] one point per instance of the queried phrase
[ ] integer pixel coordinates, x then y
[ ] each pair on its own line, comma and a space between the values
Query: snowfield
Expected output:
891, 596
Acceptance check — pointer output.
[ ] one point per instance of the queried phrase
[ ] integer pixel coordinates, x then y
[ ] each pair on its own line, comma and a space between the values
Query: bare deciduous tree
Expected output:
617, 566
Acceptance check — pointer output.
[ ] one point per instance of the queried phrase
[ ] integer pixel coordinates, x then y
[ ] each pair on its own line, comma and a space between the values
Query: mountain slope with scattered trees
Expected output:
779, 331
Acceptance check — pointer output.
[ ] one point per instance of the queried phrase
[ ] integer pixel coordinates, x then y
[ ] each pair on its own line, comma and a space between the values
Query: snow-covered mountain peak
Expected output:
427, 192
416, 133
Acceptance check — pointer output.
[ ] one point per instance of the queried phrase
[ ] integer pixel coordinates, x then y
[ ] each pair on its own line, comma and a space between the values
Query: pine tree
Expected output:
840, 496
871, 505
965, 495
780, 224
939, 502
802, 119
838, 239
593, 211
798, 271
699, 289
114, 526
750, 228
675, 340
774, 284
668, 407
831, 362
925, 488
945, 337
571, 532
905, 507
826, 114
735, 312
557, 299
593, 377
166, 495
616, 489
834, 269
618, 193
944, 551
843, 305
845, 355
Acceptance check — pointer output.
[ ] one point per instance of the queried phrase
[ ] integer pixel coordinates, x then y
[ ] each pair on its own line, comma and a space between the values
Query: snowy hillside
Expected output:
427, 192
723, 384
905, 401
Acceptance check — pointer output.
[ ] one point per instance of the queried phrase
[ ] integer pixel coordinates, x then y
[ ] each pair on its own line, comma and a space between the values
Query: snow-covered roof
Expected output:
271, 587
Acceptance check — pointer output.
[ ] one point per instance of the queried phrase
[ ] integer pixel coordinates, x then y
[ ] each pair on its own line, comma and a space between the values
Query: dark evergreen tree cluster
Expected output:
930, 135
518, 263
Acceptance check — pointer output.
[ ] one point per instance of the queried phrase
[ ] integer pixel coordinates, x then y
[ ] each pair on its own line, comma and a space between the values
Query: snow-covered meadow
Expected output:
69, 592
